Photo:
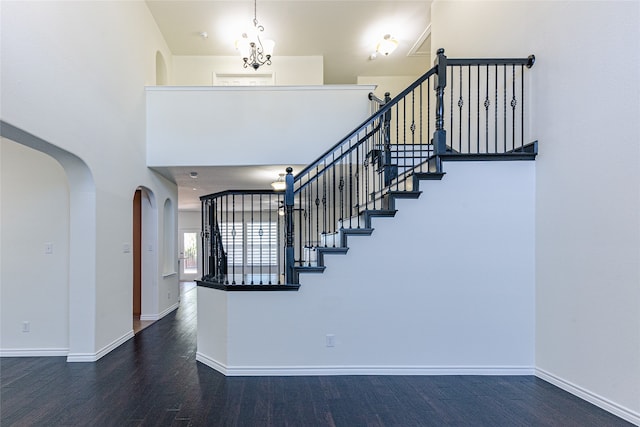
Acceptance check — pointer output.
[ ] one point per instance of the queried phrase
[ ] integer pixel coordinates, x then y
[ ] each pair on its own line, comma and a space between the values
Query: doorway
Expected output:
190, 255
145, 266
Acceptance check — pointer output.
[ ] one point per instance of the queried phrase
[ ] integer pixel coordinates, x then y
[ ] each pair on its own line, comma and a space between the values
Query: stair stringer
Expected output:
445, 287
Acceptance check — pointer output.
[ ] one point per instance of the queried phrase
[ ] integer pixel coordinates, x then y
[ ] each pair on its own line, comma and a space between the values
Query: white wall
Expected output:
287, 70
447, 286
249, 125
189, 220
85, 95
585, 109
392, 84
34, 283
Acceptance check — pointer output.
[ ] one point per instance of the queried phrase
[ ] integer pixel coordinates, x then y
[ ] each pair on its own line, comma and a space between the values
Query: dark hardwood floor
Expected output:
153, 379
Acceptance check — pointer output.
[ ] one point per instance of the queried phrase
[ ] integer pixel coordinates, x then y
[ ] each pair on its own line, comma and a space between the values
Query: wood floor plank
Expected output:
154, 380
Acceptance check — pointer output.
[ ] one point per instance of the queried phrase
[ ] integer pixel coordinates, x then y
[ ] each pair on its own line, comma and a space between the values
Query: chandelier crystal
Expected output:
253, 50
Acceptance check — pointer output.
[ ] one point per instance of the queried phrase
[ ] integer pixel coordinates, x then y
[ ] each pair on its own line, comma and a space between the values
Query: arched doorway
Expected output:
145, 264
82, 242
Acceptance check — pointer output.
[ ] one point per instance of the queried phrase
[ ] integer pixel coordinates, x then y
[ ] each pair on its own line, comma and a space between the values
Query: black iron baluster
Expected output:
341, 188
404, 111
226, 212
487, 103
357, 176
281, 242
514, 102
261, 234
368, 151
421, 127
451, 90
495, 130
334, 222
350, 213
428, 116
251, 239
244, 245
316, 236
478, 111
270, 229
522, 106
308, 190
324, 201
460, 104
413, 133
504, 95
469, 110
301, 227
233, 235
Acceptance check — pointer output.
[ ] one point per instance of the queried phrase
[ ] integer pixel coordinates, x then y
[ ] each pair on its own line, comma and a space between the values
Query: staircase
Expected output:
265, 240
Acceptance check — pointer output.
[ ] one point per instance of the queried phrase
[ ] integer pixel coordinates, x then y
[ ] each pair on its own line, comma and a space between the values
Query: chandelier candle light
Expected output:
254, 51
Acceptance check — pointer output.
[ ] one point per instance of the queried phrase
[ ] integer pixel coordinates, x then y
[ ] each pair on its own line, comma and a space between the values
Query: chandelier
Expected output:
253, 50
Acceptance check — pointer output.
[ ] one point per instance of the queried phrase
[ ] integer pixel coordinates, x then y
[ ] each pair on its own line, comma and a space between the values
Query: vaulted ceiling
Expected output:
344, 33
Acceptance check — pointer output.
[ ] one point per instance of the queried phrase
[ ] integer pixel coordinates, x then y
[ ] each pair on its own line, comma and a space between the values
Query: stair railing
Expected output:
243, 237
477, 110
335, 193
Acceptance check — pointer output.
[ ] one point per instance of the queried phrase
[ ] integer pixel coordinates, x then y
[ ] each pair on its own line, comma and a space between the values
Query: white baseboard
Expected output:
33, 352
360, 370
212, 363
161, 314
92, 357
601, 402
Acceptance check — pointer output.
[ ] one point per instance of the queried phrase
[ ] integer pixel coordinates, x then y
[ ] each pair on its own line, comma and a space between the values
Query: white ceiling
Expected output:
213, 179
345, 33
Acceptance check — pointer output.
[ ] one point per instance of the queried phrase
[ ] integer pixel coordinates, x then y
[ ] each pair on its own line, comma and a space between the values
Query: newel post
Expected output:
288, 218
440, 135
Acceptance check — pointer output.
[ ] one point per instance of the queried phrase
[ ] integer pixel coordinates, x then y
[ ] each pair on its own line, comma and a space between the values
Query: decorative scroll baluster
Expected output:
460, 105
504, 118
487, 103
514, 103
324, 203
451, 90
317, 203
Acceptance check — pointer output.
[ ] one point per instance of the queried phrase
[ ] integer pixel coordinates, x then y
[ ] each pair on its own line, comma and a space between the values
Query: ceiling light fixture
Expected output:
193, 175
387, 45
253, 50
279, 184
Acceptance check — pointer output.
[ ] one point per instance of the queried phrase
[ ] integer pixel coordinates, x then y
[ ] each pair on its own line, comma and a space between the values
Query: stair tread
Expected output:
399, 194
329, 250
309, 268
380, 212
365, 231
429, 175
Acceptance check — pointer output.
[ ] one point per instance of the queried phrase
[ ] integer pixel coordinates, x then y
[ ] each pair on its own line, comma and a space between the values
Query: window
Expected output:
232, 234
262, 243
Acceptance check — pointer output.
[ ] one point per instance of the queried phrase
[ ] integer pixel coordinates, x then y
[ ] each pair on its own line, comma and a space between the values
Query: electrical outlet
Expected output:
48, 248
331, 340
126, 248
26, 326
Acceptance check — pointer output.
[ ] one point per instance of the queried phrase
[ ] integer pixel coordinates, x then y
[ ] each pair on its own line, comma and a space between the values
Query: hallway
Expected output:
153, 379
